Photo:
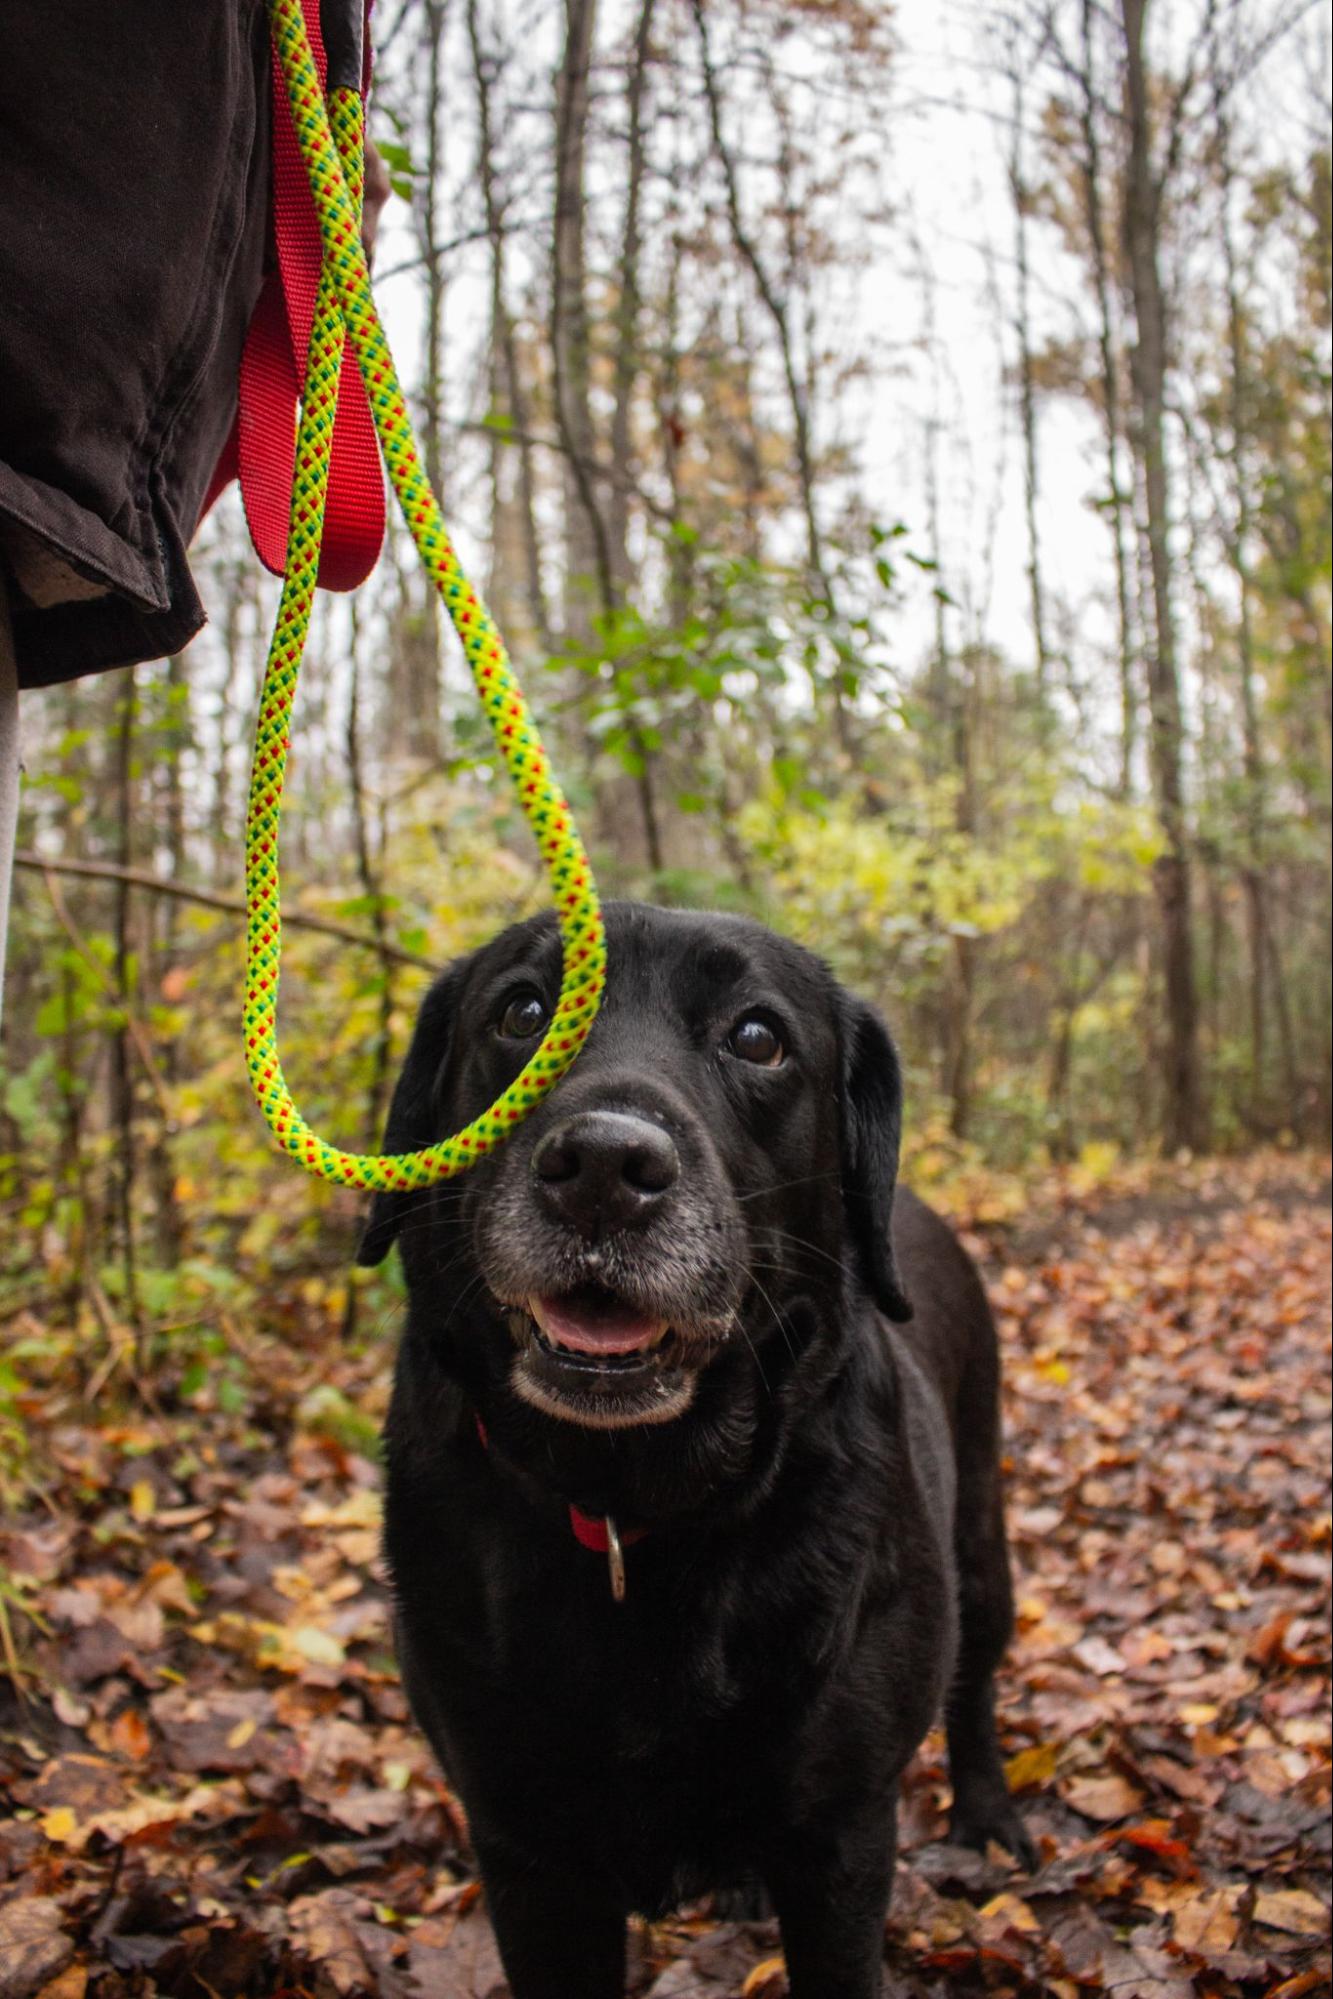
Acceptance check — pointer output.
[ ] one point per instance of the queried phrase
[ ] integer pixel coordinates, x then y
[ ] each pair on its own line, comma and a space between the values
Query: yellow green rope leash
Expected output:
345, 308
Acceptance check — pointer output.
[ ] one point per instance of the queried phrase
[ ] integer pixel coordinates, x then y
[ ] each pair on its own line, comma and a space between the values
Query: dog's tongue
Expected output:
593, 1327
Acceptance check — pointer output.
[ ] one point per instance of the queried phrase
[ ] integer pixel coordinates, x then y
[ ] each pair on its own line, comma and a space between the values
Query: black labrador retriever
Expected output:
692, 1533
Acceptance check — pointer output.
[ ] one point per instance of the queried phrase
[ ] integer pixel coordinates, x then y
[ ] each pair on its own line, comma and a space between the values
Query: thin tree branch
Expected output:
230, 905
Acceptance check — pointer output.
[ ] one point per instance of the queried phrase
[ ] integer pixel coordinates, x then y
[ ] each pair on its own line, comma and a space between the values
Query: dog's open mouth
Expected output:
593, 1324
591, 1356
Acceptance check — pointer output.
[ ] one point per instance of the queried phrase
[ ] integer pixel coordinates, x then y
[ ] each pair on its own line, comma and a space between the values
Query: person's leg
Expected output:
9, 771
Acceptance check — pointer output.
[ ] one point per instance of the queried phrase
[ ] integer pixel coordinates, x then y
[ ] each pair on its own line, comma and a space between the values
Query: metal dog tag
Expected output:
615, 1560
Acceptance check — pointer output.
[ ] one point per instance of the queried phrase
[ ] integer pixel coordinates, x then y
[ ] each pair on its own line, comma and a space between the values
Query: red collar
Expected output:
594, 1530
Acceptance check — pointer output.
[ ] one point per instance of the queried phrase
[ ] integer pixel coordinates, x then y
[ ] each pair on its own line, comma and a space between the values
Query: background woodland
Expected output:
636, 268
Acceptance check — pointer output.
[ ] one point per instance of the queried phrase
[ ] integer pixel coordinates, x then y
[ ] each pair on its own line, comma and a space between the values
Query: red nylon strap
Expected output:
589, 1528
263, 444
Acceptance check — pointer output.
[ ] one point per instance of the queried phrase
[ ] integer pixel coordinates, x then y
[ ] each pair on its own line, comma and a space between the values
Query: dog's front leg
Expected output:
559, 1934
832, 1898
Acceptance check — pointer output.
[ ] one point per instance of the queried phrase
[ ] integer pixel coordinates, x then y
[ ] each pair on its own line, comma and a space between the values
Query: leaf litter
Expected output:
210, 1785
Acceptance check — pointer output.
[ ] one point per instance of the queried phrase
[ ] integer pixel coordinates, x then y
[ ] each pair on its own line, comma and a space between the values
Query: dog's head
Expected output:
717, 1168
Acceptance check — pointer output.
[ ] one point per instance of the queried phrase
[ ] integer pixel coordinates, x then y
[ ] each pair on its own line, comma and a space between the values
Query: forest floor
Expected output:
209, 1785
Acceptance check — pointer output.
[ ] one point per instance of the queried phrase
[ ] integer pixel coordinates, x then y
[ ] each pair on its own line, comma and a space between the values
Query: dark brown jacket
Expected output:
134, 146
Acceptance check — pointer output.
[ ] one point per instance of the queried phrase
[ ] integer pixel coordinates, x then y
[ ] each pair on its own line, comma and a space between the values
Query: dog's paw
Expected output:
976, 1825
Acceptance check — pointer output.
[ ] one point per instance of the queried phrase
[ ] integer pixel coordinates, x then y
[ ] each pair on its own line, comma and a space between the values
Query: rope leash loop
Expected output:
331, 141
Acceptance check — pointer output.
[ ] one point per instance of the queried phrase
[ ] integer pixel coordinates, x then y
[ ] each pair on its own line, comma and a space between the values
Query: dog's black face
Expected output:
666, 1213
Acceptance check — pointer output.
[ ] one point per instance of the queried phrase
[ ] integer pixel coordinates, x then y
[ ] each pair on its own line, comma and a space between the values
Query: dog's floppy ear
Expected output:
412, 1113
872, 1110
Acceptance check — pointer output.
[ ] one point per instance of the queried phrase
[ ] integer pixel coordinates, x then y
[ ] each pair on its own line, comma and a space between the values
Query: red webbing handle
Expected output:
262, 448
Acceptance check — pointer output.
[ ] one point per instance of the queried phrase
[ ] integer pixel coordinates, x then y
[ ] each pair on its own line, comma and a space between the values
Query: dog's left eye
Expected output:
524, 1016
756, 1040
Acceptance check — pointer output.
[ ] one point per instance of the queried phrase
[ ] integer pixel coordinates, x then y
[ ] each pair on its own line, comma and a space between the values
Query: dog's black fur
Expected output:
815, 1463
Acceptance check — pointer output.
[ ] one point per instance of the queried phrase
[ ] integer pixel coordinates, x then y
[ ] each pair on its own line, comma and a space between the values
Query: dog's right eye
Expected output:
523, 1017
756, 1040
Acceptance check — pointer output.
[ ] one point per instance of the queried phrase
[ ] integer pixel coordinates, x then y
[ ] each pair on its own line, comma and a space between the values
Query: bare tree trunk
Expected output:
239, 596
504, 344
744, 441
73, 1180
1061, 1065
627, 312
966, 949
122, 1069
1216, 953
774, 305
797, 398
433, 26
950, 754
164, 918
1021, 197
671, 435
1110, 381
587, 547
1293, 1096
1254, 809
418, 720
1182, 1122
626, 378
588, 544
941, 677
372, 888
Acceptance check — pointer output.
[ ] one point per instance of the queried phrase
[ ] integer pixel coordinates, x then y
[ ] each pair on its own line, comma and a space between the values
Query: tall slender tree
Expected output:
1145, 189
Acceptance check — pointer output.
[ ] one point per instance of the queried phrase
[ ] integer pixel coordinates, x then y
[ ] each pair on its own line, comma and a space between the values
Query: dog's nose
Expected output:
604, 1169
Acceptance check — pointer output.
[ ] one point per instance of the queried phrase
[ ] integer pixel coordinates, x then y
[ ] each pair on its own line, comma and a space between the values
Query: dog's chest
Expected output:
659, 1745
